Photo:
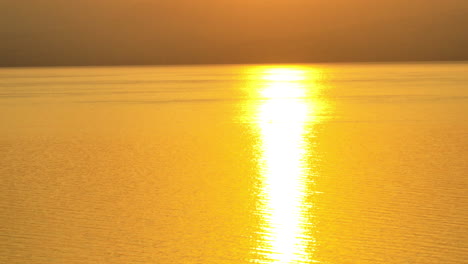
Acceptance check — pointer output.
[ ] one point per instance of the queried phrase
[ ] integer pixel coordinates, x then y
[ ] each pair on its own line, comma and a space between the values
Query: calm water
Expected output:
335, 164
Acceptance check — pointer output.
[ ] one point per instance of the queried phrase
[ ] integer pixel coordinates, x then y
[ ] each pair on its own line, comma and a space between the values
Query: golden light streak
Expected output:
282, 121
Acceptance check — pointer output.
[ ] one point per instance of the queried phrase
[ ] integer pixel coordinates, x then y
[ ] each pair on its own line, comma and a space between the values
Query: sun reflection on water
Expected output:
283, 120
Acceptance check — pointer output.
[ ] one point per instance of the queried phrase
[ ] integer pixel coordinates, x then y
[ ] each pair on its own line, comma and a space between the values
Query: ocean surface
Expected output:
332, 164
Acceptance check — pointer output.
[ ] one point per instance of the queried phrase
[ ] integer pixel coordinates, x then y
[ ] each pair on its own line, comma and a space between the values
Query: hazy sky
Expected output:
115, 32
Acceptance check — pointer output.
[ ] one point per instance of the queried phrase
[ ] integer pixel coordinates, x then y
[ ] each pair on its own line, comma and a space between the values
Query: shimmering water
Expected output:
336, 164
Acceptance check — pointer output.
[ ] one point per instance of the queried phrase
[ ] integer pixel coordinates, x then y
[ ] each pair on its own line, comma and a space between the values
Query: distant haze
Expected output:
120, 32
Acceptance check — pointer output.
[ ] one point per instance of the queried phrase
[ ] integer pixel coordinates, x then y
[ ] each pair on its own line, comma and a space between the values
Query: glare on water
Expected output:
283, 120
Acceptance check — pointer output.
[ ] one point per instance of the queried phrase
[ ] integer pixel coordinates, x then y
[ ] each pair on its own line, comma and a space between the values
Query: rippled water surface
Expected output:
335, 164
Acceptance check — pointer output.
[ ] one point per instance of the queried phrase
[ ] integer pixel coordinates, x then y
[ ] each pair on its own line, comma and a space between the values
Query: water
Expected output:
352, 163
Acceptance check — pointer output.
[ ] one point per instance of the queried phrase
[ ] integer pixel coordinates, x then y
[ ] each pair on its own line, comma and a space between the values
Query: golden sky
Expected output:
109, 32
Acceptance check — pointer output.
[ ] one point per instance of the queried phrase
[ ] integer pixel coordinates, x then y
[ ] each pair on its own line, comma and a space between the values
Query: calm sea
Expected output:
333, 164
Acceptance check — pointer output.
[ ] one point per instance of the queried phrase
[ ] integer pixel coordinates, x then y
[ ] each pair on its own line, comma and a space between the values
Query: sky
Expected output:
139, 32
